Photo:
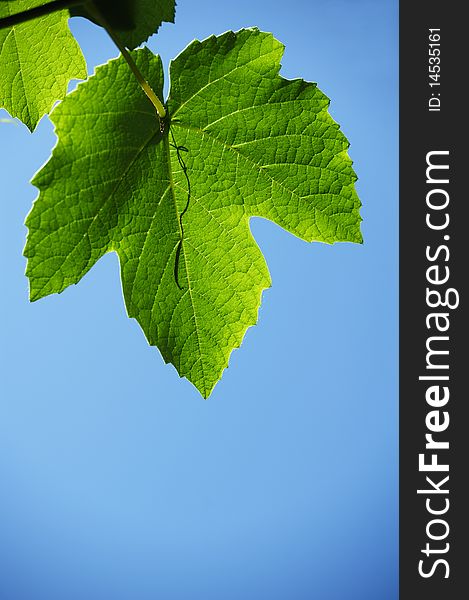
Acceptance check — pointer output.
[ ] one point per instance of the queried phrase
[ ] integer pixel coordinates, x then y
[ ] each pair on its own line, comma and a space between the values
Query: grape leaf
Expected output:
134, 21
257, 145
37, 60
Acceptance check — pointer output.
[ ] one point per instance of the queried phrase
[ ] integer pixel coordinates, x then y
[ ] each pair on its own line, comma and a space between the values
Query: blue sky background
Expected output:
117, 481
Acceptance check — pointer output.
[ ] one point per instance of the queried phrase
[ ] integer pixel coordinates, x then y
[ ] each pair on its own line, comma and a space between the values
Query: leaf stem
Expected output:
55, 5
146, 87
38, 11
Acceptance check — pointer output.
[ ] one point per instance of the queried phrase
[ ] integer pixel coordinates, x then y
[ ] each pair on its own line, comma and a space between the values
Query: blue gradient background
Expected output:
117, 481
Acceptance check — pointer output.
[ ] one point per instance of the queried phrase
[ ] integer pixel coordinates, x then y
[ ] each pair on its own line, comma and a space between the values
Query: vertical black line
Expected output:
183, 166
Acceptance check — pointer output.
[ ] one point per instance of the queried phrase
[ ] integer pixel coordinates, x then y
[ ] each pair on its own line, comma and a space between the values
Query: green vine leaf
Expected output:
37, 60
257, 145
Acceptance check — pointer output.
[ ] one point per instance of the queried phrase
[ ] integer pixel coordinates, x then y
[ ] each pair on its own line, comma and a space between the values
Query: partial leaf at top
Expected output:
37, 60
258, 145
133, 21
